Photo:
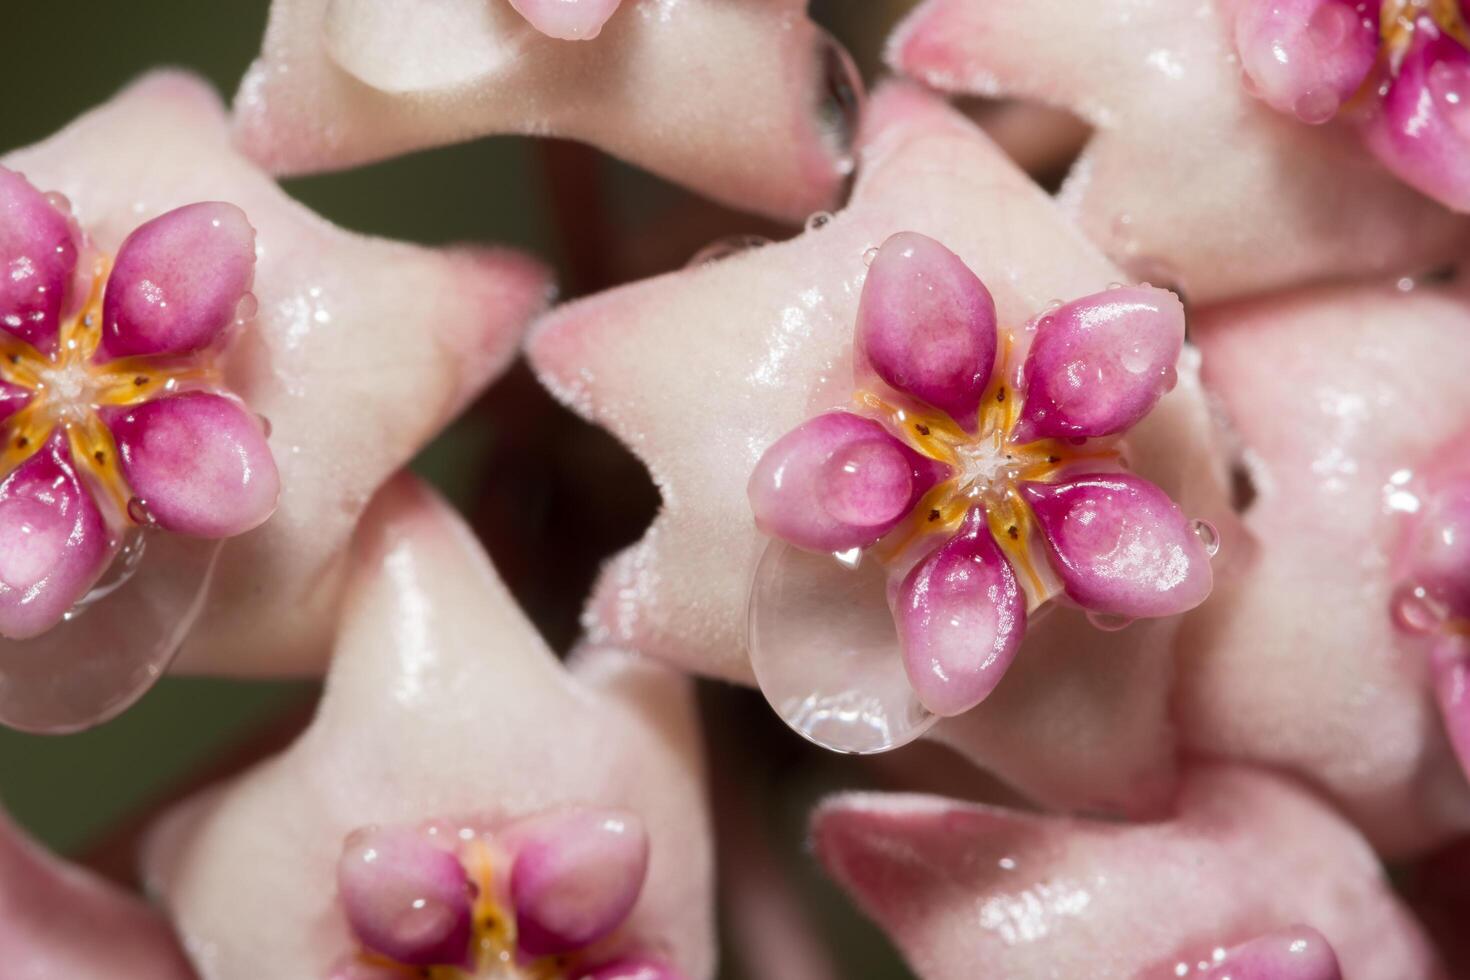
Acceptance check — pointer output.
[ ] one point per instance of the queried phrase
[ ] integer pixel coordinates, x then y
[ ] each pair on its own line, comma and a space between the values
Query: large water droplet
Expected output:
869, 254
723, 248
825, 652
139, 513
1108, 622
839, 98
59, 201
1416, 611
1207, 534
246, 309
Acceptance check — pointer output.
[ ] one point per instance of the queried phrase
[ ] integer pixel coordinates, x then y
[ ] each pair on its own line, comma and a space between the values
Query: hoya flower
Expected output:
114, 416
982, 469
1253, 877
1081, 718
1401, 69
1323, 656
748, 103
461, 804
350, 354
60, 921
1187, 176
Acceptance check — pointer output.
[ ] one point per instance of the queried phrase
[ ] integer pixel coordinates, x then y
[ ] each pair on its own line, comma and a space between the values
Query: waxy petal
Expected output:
1305, 57
53, 541
1294, 953
576, 876
751, 104
637, 968
442, 704
958, 884
1421, 130
177, 281
569, 20
1120, 545
199, 462
837, 481
1187, 176
926, 325
37, 256
1438, 546
12, 399
1099, 364
960, 615
405, 897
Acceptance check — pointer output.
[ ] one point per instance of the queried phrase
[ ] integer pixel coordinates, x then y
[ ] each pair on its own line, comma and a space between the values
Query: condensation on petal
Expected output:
1099, 364
1120, 545
37, 256
1421, 131
576, 876
406, 897
199, 461
12, 399
177, 281
568, 20
53, 541
960, 615
1292, 953
837, 481
1305, 57
926, 325
633, 968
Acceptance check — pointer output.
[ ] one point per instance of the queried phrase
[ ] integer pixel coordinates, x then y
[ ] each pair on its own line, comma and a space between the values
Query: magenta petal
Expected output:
1422, 130
37, 256
1439, 559
567, 20
961, 616
1294, 953
1450, 663
1120, 545
576, 876
838, 481
12, 399
1099, 364
633, 968
199, 461
1305, 57
926, 324
177, 281
53, 541
405, 897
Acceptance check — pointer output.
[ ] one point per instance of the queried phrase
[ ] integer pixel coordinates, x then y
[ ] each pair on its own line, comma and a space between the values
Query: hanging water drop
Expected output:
139, 513
1207, 534
869, 255
723, 248
265, 425
1108, 622
1416, 611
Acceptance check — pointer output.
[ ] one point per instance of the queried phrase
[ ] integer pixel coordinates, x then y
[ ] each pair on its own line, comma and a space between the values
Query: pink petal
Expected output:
199, 461
1438, 559
569, 20
1099, 364
1422, 131
1121, 546
837, 481
634, 968
53, 541
1450, 664
405, 897
1305, 57
576, 876
961, 616
12, 399
37, 256
958, 884
927, 325
1295, 953
177, 281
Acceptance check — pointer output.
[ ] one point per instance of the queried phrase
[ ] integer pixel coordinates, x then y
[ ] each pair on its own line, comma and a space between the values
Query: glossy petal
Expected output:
1438, 546
1248, 853
1422, 130
37, 256
53, 541
960, 615
436, 708
569, 20
346, 324
406, 897
1450, 664
177, 281
926, 324
1099, 364
12, 399
1295, 953
1305, 57
837, 481
576, 876
749, 103
1187, 178
1121, 546
199, 461
634, 968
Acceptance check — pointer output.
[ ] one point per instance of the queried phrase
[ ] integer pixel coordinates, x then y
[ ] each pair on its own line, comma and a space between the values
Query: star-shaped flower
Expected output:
447, 724
357, 353
748, 103
1081, 723
1252, 872
1187, 176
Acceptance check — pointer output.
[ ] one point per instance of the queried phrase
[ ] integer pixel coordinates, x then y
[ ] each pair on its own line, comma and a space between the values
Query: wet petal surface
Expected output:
405, 897
1305, 57
37, 255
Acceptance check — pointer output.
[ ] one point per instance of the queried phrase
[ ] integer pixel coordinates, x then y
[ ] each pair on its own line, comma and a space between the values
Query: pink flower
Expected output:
985, 475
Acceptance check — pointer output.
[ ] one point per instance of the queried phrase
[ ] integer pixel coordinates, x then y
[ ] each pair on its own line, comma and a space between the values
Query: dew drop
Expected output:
869, 255
59, 201
246, 309
818, 220
1405, 284
723, 248
851, 558
1207, 534
1415, 611
265, 425
1108, 622
139, 513
1052, 306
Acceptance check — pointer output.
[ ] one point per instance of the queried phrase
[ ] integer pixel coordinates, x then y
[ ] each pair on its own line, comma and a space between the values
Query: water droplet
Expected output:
869, 255
124, 565
1416, 611
1108, 622
1207, 534
265, 425
1117, 285
139, 513
59, 201
1052, 305
246, 309
818, 220
839, 99
851, 558
1405, 284
723, 248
